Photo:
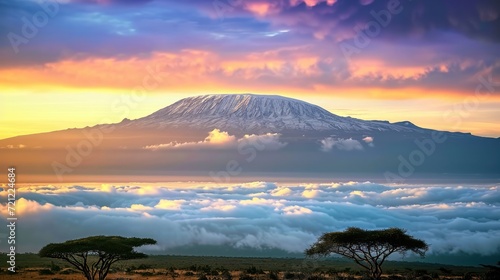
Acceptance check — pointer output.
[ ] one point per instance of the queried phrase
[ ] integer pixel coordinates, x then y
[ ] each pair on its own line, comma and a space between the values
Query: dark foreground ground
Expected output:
30, 266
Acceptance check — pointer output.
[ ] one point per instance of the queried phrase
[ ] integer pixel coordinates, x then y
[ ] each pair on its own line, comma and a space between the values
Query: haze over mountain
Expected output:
203, 135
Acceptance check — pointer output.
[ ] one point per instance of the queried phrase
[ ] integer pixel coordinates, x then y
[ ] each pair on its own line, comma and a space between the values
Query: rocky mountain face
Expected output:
258, 113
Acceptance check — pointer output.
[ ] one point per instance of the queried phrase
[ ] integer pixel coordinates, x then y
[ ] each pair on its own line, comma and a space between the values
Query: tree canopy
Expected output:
368, 248
94, 255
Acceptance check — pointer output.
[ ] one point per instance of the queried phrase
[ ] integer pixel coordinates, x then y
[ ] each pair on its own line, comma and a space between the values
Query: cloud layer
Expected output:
218, 139
454, 219
350, 144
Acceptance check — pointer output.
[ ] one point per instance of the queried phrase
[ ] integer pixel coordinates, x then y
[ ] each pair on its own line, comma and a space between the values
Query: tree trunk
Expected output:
376, 273
103, 272
88, 275
102, 275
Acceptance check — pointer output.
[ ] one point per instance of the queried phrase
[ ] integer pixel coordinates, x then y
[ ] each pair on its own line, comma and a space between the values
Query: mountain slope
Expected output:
305, 139
257, 113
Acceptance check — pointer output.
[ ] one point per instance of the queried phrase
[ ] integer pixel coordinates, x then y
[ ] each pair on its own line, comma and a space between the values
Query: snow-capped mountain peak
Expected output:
248, 106
259, 113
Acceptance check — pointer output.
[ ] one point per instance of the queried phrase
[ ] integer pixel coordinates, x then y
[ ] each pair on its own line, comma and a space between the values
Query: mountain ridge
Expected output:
271, 113
311, 140
179, 115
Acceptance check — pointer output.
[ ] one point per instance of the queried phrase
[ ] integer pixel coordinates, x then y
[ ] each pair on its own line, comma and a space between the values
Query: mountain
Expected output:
246, 135
258, 113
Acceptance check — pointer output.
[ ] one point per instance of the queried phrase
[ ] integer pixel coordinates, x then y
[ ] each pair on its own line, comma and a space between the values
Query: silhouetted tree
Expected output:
368, 248
94, 255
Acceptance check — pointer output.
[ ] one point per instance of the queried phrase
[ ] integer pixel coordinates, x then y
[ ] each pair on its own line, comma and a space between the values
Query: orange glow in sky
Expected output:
60, 79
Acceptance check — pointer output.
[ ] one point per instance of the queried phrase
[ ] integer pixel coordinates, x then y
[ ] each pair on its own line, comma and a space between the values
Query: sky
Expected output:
71, 63
455, 219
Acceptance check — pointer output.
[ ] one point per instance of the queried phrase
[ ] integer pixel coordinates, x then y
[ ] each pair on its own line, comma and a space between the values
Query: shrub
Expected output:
172, 273
273, 276
421, 272
144, 266
254, 270
206, 269
45, 271
54, 267
445, 270
226, 275
332, 271
245, 276
490, 275
467, 276
365, 277
394, 277
130, 269
193, 267
316, 277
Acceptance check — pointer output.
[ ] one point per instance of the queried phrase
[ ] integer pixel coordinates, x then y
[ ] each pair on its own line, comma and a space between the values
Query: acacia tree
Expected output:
94, 255
368, 248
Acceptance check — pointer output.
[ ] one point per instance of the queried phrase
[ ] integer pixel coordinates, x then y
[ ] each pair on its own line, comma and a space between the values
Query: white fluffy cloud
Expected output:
453, 219
369, 140
218, 139
268, 141
350, 144
282, 192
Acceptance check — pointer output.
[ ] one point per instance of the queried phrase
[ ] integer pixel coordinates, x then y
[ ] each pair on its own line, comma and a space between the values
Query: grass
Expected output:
232, 263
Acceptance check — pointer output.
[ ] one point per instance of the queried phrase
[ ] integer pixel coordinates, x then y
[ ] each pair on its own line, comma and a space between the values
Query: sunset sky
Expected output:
74, 63
267, 175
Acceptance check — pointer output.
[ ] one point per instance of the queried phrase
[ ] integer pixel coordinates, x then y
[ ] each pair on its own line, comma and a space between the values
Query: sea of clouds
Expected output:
260, 215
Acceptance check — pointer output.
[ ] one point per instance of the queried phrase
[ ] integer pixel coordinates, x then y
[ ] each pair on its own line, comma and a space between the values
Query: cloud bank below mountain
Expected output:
260, 215
218, 139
